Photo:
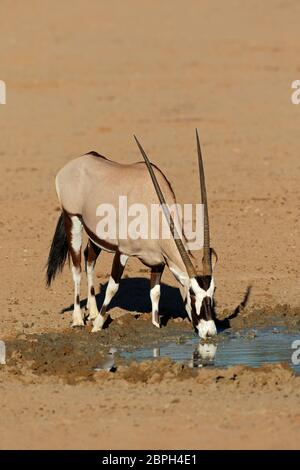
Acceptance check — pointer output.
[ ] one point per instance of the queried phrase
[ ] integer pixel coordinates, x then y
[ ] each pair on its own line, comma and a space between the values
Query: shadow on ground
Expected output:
134, 296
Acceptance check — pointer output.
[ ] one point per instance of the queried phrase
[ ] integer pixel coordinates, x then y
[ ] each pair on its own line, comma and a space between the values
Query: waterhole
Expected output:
75, 355
251, 347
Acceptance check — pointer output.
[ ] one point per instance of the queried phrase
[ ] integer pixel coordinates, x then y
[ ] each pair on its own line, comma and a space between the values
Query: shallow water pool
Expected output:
250, 347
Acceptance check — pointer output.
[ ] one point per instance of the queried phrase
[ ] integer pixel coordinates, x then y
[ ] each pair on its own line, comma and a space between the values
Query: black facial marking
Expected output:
195, 318
93, 291
204, 282
77, 300
207, 310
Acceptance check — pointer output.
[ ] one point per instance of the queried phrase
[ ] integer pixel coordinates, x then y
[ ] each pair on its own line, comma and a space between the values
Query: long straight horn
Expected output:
207, 268
182, 251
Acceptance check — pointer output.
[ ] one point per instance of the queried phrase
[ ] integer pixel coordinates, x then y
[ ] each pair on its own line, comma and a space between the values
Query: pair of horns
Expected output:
207, 267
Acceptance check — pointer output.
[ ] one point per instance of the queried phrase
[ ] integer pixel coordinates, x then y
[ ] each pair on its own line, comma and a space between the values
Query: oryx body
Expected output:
93, 180
90, 180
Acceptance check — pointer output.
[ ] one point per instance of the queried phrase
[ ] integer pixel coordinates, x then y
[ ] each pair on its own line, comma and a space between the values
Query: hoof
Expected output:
96, 328
98, 323
77, 317
155, 323
77, 325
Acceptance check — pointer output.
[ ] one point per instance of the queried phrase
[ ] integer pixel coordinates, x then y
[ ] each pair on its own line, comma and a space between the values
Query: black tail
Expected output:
58, 251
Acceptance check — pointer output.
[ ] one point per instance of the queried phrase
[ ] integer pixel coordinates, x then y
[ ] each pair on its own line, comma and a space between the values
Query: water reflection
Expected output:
249, 347
203, 355
156, 352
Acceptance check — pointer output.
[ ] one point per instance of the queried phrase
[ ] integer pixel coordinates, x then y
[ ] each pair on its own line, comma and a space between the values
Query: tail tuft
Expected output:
58, 251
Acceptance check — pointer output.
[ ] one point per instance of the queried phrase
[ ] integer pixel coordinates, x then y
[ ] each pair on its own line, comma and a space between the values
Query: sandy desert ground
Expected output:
86, 76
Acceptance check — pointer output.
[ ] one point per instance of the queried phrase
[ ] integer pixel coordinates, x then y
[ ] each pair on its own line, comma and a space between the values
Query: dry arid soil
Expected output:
85, 76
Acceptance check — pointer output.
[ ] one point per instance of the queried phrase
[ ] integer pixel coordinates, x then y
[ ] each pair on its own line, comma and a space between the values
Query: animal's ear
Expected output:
214, 258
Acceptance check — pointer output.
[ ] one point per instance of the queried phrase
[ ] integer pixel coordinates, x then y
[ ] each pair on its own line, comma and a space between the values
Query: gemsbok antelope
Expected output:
91, 179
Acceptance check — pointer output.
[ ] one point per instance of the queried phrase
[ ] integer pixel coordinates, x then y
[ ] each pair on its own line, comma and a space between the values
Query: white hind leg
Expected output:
77, 314
74, 233
91, 254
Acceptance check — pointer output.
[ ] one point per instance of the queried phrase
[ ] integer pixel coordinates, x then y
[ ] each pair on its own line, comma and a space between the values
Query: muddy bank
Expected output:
73, 354
78, 355
269, 376
259, 317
